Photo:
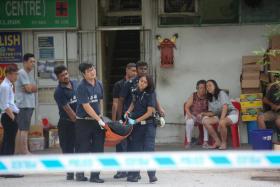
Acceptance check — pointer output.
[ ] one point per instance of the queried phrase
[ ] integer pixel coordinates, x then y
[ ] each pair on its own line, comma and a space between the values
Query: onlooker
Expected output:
271, 103
65, 97
25, 100
130, 73
221, 111
195, 105
9, 113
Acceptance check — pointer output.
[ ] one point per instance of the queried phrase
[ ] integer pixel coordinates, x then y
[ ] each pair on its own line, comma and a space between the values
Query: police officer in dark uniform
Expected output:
130, 73
140, 114
125, 98
130, 86
65, 97
90, 133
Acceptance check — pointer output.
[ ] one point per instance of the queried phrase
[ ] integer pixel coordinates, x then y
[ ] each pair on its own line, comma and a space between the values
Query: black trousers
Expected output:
66, 134
10, 128
142, 139
89, 138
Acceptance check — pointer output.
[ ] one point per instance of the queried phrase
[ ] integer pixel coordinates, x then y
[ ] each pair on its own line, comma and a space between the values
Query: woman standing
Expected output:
221, 111
140, 115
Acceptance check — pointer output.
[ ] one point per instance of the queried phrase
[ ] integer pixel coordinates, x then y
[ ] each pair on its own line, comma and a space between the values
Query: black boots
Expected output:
81, 177
94, 177
120, 175
70, 176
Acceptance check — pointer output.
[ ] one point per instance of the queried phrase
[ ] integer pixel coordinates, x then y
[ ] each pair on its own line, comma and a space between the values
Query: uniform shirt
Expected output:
118, 87
87, 93
7, 96
141, 101
128, 89
63, 96
24, 99
217, 104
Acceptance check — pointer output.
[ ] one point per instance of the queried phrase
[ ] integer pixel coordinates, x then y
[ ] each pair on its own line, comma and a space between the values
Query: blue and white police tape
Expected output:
189, 160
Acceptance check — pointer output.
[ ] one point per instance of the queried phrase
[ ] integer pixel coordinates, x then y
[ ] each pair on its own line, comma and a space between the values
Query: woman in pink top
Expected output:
196, 104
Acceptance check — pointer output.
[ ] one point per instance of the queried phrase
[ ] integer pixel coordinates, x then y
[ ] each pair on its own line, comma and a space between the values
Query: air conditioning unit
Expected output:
178, 7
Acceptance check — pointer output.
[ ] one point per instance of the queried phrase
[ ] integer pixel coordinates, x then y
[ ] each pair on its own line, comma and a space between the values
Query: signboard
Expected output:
25, 14
10, 47
3, 69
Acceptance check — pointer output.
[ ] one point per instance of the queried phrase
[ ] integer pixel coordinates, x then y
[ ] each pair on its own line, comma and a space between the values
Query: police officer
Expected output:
130, 86
130, 73
90, 133
65, 97
126, 93
140, 114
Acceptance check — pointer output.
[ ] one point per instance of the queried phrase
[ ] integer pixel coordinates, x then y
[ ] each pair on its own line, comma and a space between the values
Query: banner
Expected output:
10, 47
25, 14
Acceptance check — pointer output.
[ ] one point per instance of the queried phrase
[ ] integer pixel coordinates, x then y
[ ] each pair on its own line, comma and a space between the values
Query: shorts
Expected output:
24, 118
232, 117
271, 116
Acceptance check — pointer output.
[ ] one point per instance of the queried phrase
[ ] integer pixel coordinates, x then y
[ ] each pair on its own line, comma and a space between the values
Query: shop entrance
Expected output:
118, 48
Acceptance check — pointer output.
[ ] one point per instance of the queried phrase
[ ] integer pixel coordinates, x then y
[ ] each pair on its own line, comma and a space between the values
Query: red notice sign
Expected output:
61, 9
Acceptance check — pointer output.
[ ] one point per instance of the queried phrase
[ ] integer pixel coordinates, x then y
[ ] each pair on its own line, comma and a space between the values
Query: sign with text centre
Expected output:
37, 14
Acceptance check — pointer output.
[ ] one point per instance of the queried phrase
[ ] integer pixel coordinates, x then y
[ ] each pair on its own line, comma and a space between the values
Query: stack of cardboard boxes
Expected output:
250, 78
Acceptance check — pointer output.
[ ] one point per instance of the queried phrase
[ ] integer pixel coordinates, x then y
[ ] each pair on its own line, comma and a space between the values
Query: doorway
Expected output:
118, 48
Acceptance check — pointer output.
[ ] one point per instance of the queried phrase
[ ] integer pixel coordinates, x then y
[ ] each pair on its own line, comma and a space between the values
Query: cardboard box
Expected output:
264, 77
252, 59
53, 138
251, 104
274, 63
250, 114
36, 143
251, 67
35, 131
251, 97
250, 83
250, 90
251, 75
274, 42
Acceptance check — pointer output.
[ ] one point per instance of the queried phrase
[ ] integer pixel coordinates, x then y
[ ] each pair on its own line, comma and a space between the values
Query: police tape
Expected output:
188, 160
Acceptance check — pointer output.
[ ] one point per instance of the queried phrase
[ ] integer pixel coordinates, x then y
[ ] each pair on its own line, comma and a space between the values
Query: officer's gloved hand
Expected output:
126, 115
101, 124
131, 121
162, 122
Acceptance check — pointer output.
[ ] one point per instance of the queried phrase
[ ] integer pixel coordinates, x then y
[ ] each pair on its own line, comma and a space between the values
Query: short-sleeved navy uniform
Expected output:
127, 92
143, 135
66, 128
118, 86
86, 93
89, 135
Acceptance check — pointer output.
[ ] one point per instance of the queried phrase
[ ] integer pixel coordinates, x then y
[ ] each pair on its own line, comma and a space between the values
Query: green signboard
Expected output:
38, 14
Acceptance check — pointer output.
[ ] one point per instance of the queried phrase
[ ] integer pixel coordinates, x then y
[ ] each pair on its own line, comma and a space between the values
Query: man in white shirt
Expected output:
9, 110
25, 100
